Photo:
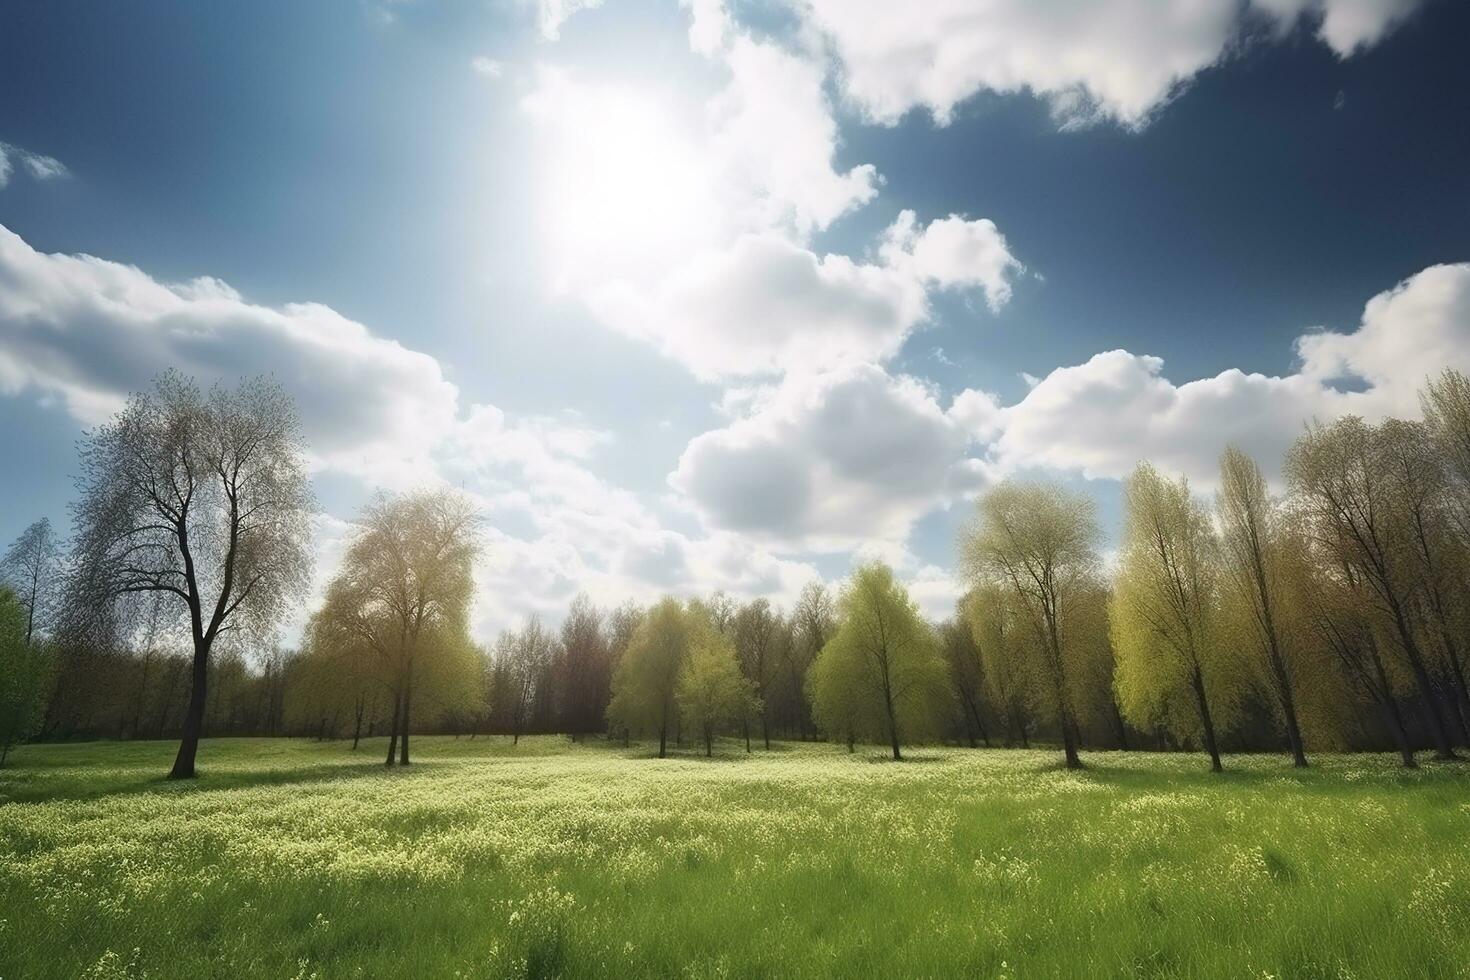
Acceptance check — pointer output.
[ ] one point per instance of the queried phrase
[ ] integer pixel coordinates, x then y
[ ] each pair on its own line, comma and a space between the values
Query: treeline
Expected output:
1334, 615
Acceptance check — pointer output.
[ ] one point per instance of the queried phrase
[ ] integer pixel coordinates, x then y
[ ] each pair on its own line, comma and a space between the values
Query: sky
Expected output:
727, 295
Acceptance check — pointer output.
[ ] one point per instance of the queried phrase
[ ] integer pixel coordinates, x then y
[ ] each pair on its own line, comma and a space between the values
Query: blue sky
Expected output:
703, 295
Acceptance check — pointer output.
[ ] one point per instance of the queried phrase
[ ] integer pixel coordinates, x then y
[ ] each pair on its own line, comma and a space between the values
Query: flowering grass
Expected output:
296, 859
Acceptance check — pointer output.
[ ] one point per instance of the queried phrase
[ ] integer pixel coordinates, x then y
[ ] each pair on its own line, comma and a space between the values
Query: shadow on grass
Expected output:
49, 789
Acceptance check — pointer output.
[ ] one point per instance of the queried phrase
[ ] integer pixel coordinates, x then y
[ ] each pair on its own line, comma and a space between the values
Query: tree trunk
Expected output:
663, 741
1120, 724
393, 728
1069, 745
357, 726
709, 745
1294, 733
766, 732
1442, 748
194, 717
407, 702
1207, 722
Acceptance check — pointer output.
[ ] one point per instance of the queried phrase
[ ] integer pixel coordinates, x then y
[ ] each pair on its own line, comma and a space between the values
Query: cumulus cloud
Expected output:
82, 332
767, 305
1102, 416
773, 140
552, 14
37, 165
832, 461
1090, 59
1346, 26
87, 331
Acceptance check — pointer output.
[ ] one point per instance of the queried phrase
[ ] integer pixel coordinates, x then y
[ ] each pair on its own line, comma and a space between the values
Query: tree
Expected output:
711, 691
1252, 550
1445, 402
881, 674
202, 498
1341, 616
646, 681
403, 593
1339, 476
1039, 540
1008, 675
23, 675
758, 632
336, 676
1172, 665
30, 568
1436, 558
585, 673
813, 620
525, 655
966, 675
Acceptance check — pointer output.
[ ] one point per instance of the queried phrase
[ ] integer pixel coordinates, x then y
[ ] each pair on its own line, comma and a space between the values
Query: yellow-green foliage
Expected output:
1166, 624
300, 859
882, 675
646, 679
712, 692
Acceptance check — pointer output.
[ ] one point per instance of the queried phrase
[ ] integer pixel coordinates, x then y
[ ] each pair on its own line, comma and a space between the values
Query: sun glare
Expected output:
625, 188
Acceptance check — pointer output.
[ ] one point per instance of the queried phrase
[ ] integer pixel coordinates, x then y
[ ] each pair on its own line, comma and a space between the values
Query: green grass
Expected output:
293, 859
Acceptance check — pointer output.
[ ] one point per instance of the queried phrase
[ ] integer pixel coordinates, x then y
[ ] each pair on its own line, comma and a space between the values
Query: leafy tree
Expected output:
758, 632
1343, 620
1354, 516
1437, 559
646, 681
202, 498
31, 568
712, 692
1039, 541
24, 675
1172, 664
336, 677
1252, 538
881, 675
966, 675
585, 670
403, 593
1445, 401
1009, 676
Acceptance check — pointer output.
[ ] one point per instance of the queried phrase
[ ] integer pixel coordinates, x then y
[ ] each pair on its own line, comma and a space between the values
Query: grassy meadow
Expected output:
297, 859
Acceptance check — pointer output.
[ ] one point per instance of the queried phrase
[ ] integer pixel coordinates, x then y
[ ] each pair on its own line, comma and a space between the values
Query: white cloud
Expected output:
1102, 416
486, 66
88, 331
773, 140
1346, 26
82, 332
767, 305
552, 14
37, 165
1090, 59
830, 462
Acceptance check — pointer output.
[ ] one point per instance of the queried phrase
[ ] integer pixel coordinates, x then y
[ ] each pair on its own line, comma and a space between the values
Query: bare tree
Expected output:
200, 497
30, 567
525, 655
